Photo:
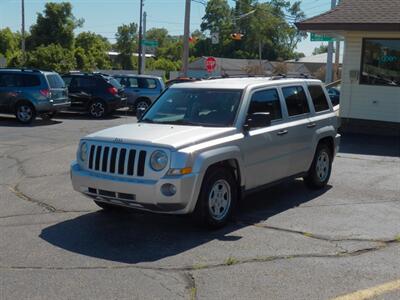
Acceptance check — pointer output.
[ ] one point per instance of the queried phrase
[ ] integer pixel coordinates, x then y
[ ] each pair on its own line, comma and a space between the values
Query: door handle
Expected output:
282, 132
312, 125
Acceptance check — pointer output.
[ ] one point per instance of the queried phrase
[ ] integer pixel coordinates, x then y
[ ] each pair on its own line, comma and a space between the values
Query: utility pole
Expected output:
329, 69
142, 71
23, 30
185, 56
140, 39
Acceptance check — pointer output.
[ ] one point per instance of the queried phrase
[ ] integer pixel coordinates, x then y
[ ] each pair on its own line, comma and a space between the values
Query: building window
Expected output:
381, 62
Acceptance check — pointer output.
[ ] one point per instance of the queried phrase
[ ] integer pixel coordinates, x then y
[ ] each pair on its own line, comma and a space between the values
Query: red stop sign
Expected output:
210, 63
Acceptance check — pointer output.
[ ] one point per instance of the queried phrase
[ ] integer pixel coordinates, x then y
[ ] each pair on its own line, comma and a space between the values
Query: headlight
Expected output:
83, 152
158, 160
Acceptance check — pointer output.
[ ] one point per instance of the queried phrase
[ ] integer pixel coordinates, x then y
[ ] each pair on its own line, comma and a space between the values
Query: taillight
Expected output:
45, 92
112, 90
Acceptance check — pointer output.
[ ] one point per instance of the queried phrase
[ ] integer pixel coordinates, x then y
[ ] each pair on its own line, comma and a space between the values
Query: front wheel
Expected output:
218, 197
320, 171
97, 109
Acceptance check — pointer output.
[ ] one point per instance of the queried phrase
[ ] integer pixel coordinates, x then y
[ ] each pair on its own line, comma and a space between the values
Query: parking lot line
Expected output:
372, 292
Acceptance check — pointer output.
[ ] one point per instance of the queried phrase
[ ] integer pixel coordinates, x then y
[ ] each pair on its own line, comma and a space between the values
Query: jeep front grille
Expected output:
117, 160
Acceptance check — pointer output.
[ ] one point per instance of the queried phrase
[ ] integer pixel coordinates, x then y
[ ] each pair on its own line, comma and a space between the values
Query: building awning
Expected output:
357, 15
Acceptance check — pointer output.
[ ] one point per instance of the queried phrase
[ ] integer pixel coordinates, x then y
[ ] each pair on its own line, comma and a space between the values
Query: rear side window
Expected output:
10, 80
130, 82
147, 83
296, 100
55, 81
67, 80
84, 82
266, 101
318, 98
30, 80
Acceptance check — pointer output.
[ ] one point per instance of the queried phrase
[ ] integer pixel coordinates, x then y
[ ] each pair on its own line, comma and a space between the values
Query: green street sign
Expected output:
150, 43
321, 38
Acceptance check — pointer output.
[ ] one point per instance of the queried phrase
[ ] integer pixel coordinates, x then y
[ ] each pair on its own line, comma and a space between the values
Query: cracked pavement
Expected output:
286, 242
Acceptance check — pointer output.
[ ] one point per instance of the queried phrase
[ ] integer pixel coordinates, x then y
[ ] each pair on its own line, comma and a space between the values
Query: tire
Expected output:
217, 199
106, 206
141, 103
97, 109
25, 112
320, 171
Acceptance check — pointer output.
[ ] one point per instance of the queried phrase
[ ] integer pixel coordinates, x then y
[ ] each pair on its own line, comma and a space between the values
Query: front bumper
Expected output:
143, 194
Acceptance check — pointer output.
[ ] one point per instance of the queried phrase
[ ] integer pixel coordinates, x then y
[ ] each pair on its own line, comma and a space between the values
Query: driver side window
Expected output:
266, 101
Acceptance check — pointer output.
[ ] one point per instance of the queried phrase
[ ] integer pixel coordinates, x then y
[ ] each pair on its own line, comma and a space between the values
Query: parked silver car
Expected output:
141, 90
203, 145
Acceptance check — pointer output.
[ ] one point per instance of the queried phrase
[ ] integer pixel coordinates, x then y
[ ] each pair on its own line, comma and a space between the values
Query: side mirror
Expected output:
257, 120
140, 112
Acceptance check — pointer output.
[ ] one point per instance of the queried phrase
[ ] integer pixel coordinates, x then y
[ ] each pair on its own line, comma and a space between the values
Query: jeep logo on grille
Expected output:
118, 140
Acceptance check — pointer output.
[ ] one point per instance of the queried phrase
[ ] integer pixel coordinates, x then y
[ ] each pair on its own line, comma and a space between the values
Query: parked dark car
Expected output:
141, 90
28, 93
334, 94
98, 94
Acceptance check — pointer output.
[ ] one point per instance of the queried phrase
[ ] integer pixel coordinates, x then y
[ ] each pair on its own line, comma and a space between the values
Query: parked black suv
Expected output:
96, 93
28, 93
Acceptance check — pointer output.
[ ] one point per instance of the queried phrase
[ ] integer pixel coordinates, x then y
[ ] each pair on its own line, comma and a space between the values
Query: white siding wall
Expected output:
367, 102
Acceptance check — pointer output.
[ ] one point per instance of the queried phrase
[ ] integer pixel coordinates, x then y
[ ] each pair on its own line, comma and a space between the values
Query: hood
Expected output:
171, 136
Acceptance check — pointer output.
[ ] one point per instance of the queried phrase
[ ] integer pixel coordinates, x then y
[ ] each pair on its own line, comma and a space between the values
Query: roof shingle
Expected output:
357, 15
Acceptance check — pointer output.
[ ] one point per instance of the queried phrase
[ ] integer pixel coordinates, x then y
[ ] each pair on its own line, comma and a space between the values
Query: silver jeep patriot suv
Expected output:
203, 145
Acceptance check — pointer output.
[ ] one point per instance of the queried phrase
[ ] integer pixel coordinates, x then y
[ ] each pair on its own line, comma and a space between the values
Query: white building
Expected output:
370, 92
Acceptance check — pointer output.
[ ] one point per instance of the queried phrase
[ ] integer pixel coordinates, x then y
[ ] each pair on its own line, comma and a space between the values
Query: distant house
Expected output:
231, 66
315, 62
370, 91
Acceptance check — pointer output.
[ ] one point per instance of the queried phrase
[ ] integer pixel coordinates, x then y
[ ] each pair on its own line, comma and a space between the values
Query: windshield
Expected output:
203, 107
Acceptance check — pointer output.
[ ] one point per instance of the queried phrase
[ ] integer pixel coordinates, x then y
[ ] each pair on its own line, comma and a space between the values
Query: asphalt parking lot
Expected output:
286, 243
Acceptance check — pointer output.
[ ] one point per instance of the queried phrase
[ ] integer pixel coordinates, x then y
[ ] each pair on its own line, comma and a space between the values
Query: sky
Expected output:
104, 16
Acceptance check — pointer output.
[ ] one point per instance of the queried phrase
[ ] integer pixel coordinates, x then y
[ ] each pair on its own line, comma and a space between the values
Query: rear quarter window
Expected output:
296, 100
55, 81
147, 83
30, 80
318, 98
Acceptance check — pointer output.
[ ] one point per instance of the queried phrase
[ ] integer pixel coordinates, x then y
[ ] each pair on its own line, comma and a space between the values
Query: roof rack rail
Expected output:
283, 76
22, 69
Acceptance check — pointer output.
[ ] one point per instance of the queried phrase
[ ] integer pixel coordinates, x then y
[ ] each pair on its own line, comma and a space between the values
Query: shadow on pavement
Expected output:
78, 115
370, 145
10, 121
142, 237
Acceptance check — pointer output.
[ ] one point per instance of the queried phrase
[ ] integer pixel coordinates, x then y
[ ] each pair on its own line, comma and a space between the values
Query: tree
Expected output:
55, 26
160, 35
52, 57
9, 42
126, 44
95, 48
321, 49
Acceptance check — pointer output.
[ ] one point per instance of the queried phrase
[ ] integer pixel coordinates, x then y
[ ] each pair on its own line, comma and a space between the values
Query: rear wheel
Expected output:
25, 112
320, 171
97, 109
218, 197
142, 104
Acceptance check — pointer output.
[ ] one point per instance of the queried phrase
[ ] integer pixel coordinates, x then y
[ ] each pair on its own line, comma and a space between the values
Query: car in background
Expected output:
334, 95
180, 80
28, 93
141, 90
98, 94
